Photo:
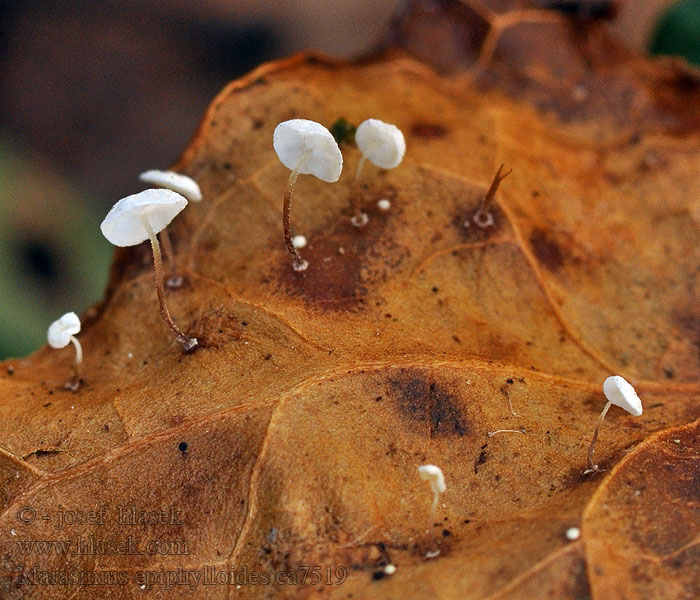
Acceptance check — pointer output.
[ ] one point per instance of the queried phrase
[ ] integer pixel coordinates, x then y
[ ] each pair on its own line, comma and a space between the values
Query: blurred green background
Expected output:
93, 93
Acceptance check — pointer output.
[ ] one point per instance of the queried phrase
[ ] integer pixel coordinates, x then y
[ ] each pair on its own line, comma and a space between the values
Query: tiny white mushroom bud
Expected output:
306, 148
383, 145
140, 217
572, 534
384, 204
389, 569
182, 184
299, 241
620, 393
61, 333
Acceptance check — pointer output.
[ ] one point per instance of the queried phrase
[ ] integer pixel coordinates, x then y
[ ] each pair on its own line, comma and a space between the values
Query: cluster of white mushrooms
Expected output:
131, 221
304, 147
308, 148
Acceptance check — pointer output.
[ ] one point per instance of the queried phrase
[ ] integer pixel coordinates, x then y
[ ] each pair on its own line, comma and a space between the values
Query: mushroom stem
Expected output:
358, 218
74, 382
174, 280
78, 352
482, 215
433, 510
591, 465
188, 344
298, 263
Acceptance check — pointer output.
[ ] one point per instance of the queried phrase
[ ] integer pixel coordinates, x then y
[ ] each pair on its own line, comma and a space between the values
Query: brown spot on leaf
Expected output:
345, 261
421, 400
216, 328
428, 130
546, 249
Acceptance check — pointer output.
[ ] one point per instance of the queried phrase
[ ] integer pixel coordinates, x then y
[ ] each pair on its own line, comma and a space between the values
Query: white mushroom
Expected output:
434, 475
138, 218
61, 333
383, 145
182, 184
620, 393
169, 180
306, 148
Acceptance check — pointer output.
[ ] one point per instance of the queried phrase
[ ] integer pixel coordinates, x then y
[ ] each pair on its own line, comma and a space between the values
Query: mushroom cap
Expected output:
182, 184
622, 394
382, 143
60, 330
435, 476
123, 226
310, 147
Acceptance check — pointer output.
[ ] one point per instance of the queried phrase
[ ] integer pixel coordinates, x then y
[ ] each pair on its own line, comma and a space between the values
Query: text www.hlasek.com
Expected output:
92, 546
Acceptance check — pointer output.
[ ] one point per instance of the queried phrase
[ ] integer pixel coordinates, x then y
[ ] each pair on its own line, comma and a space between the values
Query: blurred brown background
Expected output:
93, 93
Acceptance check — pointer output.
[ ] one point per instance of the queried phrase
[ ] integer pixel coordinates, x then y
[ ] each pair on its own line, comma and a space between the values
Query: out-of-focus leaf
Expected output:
52, 256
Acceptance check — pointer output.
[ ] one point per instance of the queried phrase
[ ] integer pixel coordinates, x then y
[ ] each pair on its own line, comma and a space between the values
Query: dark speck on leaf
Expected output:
479, 461
182, 447
377, 575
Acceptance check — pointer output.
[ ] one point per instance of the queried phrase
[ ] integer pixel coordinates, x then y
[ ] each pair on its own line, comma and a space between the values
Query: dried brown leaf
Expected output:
293, 436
